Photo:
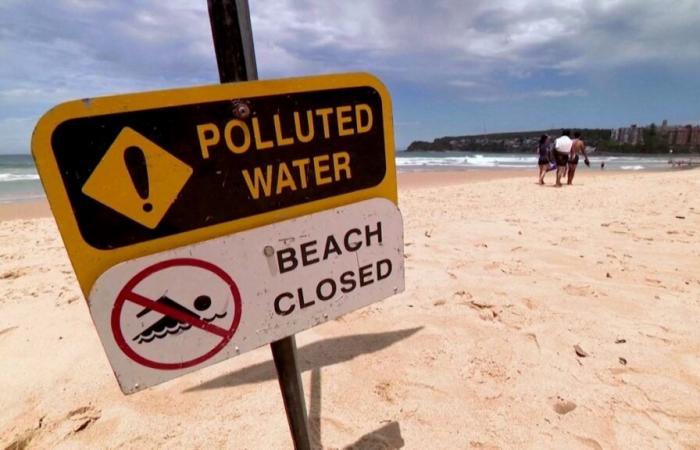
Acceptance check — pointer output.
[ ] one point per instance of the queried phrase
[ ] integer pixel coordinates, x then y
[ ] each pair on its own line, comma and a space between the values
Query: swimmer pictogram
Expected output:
182, 327
169, 325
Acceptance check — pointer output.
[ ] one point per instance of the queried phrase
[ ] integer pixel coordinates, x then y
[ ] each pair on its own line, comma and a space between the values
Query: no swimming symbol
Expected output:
182, 328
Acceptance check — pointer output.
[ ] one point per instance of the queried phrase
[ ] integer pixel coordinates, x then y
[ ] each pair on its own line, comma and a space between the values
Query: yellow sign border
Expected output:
89, 263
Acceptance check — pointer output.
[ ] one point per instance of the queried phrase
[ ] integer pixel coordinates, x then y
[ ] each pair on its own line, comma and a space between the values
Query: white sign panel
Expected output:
167, 314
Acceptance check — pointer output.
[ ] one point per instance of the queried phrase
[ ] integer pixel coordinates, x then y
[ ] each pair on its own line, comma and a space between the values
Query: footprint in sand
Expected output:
22, 441
529, 303
83, 417
385, 391
563, 407
74, 422
513, 268
589, 442
532, 337
13, 274
492, 266
581, 291
7, 330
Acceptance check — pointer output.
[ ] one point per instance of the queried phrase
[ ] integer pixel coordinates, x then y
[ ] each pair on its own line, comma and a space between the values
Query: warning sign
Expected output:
163, 315
137, 179
161, 323
136, 174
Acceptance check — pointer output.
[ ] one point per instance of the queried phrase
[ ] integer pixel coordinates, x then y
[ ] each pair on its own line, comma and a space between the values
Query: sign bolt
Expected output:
268, 251
241, 110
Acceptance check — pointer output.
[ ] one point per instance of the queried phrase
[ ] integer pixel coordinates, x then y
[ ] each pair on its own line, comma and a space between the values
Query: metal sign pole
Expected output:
235, 57
233, 40
284, 352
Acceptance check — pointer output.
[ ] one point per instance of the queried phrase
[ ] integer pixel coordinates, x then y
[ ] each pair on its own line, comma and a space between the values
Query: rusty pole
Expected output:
235, 57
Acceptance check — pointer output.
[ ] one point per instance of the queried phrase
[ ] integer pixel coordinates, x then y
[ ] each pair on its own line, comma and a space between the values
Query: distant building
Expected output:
695, 137
680, 135
632, 135
683, 135
670, 135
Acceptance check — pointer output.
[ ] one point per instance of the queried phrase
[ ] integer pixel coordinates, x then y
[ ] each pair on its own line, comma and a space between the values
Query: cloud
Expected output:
65, 49
560, 93
441, 39
58, 50
483, 51
464, 83
107, 46
495, 96
68, 41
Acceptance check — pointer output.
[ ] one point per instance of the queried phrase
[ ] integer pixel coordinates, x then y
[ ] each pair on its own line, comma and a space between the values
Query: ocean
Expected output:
430, 161
19, 179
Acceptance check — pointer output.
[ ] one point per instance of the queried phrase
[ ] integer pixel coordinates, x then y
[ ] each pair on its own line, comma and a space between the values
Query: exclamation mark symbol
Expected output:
135, 161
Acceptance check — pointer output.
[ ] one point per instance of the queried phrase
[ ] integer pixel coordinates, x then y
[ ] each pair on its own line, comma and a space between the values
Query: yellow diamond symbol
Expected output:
137, 178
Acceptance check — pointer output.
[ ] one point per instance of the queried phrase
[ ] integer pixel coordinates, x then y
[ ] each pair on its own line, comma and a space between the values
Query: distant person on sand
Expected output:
562, 148
544, 154
578, 147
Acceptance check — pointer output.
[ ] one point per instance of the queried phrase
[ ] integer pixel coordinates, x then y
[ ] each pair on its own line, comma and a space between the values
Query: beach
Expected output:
533, 317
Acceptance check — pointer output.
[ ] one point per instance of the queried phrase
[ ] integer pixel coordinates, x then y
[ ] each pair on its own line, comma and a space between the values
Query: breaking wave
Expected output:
18, 177
162, 330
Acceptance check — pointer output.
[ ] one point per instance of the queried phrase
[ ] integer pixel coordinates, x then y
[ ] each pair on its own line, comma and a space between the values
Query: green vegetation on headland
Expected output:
526, 142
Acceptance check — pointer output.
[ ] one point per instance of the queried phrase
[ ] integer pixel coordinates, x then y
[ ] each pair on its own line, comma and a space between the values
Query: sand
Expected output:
533, 317
27, 209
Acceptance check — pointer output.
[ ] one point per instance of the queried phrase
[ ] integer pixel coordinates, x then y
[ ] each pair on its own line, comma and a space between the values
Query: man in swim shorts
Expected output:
578, 147
562, 148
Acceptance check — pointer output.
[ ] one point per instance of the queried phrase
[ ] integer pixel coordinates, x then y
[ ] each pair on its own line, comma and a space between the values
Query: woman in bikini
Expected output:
543, 151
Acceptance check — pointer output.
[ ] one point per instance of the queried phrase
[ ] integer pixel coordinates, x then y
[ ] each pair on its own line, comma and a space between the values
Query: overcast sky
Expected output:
452, 66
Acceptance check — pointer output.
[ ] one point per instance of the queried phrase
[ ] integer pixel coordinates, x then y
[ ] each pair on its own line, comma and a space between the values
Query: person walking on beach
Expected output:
562, 148
544, 152
578, 147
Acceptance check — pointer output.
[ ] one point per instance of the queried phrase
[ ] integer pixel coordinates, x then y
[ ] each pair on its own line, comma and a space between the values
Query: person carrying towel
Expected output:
562, 148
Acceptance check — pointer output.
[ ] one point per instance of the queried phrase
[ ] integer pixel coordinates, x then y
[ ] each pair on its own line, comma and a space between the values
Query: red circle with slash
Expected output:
127, 294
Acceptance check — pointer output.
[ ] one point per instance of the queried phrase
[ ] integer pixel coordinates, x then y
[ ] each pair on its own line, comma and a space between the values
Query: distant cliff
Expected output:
650, 140
517, 142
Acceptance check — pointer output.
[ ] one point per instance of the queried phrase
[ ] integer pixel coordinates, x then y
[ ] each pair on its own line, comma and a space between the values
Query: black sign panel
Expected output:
242, 158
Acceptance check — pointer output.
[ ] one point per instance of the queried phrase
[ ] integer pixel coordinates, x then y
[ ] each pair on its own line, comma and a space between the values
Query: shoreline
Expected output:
23, 209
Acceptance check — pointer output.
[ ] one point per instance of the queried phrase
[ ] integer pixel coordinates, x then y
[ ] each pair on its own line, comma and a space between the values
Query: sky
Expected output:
452, 67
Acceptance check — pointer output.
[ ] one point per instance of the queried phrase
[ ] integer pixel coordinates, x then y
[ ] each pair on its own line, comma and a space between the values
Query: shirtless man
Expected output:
578, 147
562, 148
